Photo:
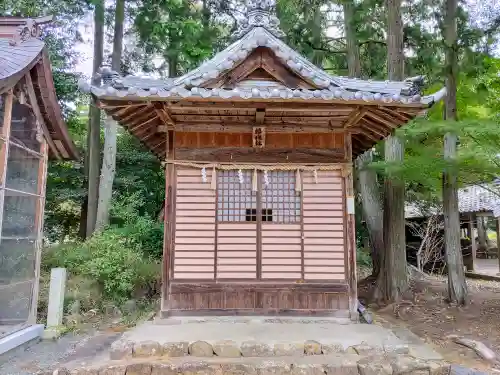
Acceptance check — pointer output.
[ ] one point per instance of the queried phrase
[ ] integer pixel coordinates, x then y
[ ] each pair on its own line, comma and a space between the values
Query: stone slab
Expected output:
268, 333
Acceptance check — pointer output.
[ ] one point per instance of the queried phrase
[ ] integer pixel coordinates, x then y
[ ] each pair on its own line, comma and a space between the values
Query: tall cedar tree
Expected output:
392, 281
110, 129
457, 287
366, 181
94, 132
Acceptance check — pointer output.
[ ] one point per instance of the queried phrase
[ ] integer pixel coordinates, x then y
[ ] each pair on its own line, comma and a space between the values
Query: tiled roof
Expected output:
476, 198
261, 29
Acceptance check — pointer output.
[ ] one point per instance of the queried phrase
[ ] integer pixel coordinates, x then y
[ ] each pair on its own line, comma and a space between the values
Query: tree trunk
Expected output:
94, 137
482, 234
353, 61
392, 281
371, 202
367, 185
457, 287
110, 130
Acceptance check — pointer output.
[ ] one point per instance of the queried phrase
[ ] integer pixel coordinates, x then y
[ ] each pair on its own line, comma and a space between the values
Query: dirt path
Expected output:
48, 354
431, 318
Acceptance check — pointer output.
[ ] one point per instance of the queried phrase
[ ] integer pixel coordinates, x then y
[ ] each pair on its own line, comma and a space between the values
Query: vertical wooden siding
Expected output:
194, 250
323, 218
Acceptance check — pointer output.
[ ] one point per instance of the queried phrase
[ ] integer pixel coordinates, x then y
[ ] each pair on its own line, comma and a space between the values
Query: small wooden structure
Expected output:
474, 203
31, 130
258, 146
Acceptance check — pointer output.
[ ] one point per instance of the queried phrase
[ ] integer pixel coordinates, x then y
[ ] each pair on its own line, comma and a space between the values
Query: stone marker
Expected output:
55, 309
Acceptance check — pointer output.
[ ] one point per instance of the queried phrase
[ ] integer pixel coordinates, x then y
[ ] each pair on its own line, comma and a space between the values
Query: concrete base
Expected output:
20, 337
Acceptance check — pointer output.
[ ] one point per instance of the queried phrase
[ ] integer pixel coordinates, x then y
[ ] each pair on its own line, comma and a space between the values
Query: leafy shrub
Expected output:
116, 263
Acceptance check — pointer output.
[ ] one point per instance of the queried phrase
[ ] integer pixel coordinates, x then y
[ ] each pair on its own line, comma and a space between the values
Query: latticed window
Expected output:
280, 202
236, 200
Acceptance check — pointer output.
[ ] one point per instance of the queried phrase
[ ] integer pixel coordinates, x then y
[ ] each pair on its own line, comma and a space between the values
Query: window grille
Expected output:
280, 201
236, 201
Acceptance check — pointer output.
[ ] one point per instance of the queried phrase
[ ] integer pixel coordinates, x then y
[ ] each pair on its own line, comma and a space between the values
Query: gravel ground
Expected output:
46, 355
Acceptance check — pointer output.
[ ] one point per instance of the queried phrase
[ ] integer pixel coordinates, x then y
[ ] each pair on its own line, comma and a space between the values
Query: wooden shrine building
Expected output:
32, 129
258, 145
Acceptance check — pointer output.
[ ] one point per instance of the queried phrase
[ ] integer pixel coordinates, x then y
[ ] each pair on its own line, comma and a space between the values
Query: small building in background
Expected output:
32, 130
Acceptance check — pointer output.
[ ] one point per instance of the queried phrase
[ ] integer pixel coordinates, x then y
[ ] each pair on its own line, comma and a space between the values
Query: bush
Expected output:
115, 262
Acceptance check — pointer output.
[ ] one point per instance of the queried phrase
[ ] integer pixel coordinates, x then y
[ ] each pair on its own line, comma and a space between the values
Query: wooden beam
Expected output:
251, 155
394, 113
243, 128
394, 120
368, 134
354, 117
260, 115
142, 124
147, 110
163, 113
38, 114
382, 120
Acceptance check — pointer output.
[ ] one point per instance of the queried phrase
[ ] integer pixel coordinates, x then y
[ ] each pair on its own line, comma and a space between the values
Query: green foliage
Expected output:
117, 264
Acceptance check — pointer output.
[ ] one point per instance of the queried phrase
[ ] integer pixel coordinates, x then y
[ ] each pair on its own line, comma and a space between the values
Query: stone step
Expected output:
333, 364
123, 349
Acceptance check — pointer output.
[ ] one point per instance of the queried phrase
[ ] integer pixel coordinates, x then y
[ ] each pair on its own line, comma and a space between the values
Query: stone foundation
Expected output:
124, 349
344, 364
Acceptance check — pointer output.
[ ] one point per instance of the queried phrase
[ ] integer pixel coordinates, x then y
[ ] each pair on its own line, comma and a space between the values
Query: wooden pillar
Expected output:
40, 209
497, 222
350, 230
471, 225
4, 151
168, 225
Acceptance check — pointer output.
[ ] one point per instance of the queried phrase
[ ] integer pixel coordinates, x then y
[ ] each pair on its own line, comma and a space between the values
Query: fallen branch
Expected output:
481, 350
